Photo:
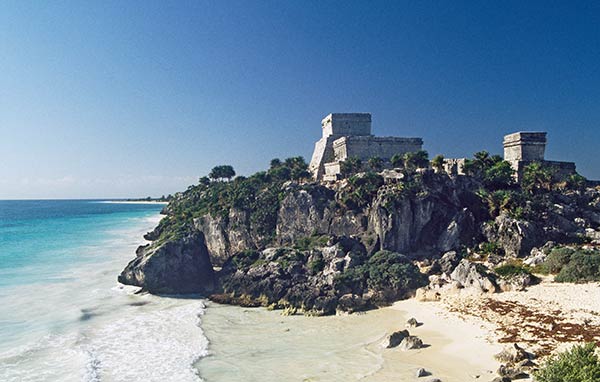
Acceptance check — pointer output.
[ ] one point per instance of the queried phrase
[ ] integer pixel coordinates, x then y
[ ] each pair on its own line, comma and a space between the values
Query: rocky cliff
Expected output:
355, 244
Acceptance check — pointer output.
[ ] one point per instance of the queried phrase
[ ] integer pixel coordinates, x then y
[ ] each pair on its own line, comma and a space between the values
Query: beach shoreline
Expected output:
343, 347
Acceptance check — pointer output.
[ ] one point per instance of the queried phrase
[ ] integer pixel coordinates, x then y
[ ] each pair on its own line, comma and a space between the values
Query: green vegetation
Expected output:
384, 270
390, 270
494, 172
409, 162
245, 259
438, 163
375, 164
316, 264
351, 166
580, 364
573, 265
222, 172
537, 178
491, 248
511, 202
310, 242
361, 190
557, 259
512, 269
257, 195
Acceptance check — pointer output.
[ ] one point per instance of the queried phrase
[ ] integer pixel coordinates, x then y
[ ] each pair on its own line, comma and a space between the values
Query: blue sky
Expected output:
124, 99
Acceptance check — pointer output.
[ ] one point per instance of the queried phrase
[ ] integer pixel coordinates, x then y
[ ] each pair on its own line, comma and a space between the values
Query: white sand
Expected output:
460, 348
265, 346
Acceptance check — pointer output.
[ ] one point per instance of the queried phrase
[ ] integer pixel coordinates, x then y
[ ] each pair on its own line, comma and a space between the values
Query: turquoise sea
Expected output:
64, 317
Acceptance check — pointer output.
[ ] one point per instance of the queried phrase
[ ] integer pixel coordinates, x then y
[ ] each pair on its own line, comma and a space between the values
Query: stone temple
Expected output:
524, 148
348, 135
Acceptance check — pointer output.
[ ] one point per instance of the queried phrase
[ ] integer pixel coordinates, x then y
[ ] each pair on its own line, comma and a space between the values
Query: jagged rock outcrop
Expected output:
445, 217
267, 235
516, 237
175, 267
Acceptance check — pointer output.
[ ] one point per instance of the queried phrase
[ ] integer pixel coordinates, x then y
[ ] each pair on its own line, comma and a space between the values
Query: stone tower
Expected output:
337, 125
523, 148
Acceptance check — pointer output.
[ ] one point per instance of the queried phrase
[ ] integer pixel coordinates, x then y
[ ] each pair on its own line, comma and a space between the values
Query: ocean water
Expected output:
64, 317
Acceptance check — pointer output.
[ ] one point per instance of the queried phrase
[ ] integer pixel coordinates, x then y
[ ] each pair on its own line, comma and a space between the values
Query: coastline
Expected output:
264, 345
132, 202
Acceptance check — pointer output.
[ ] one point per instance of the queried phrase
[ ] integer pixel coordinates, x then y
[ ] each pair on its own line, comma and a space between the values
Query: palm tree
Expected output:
438, 163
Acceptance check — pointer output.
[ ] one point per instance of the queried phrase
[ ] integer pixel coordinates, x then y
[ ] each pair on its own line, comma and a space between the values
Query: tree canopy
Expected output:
222, 172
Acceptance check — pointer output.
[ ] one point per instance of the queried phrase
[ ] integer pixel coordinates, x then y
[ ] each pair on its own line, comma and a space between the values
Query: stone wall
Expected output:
561, 169
323, 153
526, 146
342, 124
454, 166
365, 147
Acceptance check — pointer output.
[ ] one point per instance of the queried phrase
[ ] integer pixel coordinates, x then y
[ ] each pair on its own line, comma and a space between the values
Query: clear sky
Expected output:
127, 99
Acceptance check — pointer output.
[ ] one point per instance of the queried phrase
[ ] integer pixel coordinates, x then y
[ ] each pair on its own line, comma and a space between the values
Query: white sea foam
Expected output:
84, 326
155, 342
158, 344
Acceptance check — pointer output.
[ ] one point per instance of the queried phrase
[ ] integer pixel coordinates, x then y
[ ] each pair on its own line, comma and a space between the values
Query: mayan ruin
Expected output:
348, 135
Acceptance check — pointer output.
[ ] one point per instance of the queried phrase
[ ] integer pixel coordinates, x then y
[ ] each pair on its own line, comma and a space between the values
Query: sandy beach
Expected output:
262, 345
462, 334
546, 317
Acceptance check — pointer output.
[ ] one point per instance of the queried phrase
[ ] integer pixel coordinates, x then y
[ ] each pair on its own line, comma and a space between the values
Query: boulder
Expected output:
395, 339
411, 342
350, 303
473, 276
511, 372
422, 373
513, 354
412, 323
516, 283
516, 237
180, 266
449, 261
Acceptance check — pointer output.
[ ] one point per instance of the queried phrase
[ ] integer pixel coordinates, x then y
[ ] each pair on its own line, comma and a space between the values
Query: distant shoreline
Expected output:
134, 202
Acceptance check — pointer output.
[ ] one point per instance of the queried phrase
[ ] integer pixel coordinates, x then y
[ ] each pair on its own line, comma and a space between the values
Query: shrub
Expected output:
316, 264
491, 248
580, 364
512, 269
583, 266
557, 259
390, 270
384, 271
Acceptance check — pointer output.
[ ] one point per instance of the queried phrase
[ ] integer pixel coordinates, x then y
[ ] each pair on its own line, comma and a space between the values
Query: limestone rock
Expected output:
501, 379
516, 283
473, 276
422, 373
513, 354
350, 303
411, 342
412, 323
516, 237
175, 267
511, 372
395, 339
